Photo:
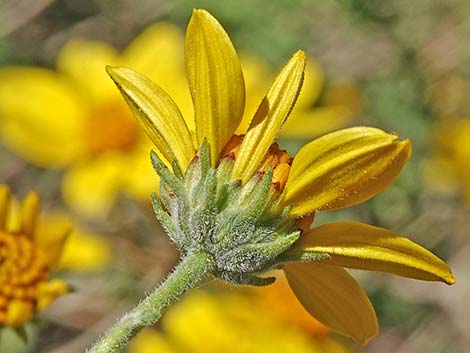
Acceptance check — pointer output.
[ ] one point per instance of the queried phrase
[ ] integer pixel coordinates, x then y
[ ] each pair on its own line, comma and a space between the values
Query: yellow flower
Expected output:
271, 197
449, 168
28, 252
222, 322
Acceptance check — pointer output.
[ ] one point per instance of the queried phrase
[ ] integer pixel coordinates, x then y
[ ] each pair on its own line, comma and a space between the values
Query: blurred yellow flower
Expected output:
228, 322
73, 117
449, 168
29, 250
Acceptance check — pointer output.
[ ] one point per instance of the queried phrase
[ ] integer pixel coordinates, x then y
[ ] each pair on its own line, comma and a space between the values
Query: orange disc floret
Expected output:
275, 158
280, 162
27, 255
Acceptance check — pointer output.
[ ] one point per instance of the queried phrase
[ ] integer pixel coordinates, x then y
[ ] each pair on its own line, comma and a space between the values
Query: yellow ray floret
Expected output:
274, 198
215, 81
334, 297
362, 246
158, 114
344, 168
271, 115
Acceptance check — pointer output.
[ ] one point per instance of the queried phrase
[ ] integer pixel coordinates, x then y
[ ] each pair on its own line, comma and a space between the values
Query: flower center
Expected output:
280, 161
277, 159
110, 127
22, 270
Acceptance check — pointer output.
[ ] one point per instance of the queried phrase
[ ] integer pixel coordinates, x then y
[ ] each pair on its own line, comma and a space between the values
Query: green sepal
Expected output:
204, 214
165, 219
18, 340
205, 155
177, 170
167, 176
257, 202
252, 257
301, 256
247, 279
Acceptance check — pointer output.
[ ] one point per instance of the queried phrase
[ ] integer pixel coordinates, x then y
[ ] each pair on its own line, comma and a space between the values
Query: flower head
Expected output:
28, 252
249, 205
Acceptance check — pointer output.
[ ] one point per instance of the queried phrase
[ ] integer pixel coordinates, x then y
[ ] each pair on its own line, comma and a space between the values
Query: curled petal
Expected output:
344, 168
362, 246
158, 114
215, 80
334, 297
270, 116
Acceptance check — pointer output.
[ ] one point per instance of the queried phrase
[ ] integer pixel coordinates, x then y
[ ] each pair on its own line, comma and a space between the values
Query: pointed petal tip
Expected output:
300, 54
407, 145
115, 71
300, 59
449, 279
201, 14
111, 70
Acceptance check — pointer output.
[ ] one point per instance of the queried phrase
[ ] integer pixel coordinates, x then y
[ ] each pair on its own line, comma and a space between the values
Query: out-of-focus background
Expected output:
401, 66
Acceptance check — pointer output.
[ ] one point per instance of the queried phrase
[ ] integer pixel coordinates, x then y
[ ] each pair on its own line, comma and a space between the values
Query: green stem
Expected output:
188, 272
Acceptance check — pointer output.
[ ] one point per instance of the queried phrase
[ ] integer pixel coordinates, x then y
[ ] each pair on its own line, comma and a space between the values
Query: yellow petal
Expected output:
158, 114
33, 105
272, 113
333, 297
362, 246
4, 205
84, 61
51, 236
215, 81
344, 168
50, 291
18, 312
29, 213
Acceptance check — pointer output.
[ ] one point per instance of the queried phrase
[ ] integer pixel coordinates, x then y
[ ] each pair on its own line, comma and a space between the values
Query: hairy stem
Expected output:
188, 272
